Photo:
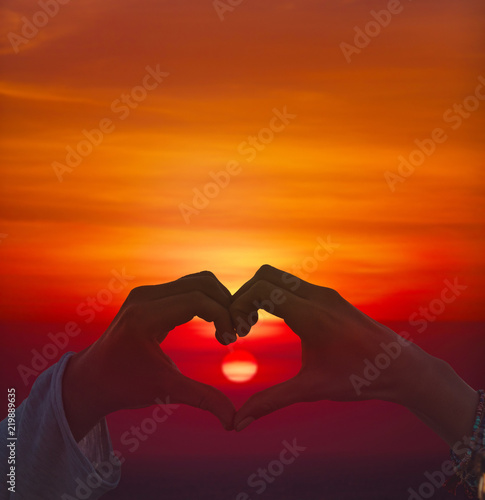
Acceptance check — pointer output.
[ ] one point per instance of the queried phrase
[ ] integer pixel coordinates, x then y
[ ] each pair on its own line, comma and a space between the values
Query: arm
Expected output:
439, 397
127, 366
47, 460
62, 433
337, 342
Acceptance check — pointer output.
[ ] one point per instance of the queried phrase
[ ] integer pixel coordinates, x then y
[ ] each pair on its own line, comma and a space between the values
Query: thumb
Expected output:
205, 397
267, 401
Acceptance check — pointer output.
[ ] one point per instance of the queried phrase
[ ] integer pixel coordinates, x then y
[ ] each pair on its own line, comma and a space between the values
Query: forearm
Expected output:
79, 391
433, 391
49, 463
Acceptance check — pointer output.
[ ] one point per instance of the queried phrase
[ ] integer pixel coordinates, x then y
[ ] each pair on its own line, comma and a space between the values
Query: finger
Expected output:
265, 295
204, 281
210, 275
158, 317
267, 401
205, 397
281, 279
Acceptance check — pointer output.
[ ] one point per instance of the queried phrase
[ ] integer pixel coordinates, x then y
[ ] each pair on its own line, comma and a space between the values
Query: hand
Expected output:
336, 340
126, 368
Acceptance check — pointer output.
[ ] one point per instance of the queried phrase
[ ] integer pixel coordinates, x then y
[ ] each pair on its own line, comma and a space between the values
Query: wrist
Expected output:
415, 376
432, 390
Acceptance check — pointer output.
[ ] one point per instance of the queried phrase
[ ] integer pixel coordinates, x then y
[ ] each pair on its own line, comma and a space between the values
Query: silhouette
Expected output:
63, 442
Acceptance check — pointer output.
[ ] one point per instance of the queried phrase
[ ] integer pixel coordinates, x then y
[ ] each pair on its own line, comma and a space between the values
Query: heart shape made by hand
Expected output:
130, 370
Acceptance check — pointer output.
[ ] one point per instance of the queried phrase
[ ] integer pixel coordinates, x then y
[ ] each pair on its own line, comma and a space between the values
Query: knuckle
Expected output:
208, 274
212, 287
265, 270
137, 293
208, 282
330, 293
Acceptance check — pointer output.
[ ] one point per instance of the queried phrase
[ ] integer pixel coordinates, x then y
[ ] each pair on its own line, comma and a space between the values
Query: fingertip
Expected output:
244, 423
226, 338
242, 334
243, 330
223, 408
243, 320
225, 412
228, 426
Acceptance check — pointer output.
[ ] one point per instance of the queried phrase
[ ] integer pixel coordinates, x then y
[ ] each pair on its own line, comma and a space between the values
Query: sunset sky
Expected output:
308, 136
322, 175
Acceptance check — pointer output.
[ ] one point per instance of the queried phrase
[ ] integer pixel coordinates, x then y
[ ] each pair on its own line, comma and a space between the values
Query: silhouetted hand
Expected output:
336, 340
126, 368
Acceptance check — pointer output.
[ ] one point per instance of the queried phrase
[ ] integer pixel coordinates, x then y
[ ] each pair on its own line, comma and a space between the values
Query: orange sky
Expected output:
321, 175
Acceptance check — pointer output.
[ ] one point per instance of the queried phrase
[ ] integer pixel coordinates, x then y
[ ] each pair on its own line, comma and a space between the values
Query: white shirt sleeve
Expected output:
49, 463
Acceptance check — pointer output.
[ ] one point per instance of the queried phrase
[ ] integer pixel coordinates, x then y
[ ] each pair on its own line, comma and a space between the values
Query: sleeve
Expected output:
48, 462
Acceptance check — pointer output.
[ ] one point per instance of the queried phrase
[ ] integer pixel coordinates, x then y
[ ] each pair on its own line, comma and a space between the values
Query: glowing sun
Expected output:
239, 366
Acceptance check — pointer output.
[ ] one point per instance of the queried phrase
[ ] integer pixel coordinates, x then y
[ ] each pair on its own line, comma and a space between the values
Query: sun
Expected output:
239, 366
